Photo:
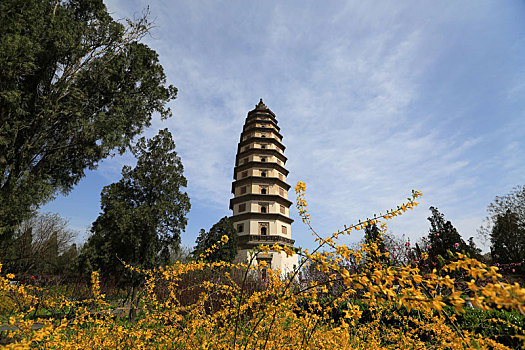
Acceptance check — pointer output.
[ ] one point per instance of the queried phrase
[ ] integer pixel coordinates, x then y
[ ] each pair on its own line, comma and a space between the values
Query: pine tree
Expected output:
508, 239
206, 240
143, 214
444, 240
505, 226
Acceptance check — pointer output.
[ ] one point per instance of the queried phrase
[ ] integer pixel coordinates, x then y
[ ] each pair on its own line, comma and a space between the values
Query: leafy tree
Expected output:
505, 226
183, 255
67, 261
508, 239
444, 238
401, 251
513, 202
143, 214
75, 87
40, 245
206, 240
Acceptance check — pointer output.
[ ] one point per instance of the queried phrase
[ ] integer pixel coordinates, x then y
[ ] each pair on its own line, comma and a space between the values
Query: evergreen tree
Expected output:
444, 238
372, 235
508, 239
206, 240
67, 261
75, 87
505, 226
143, 214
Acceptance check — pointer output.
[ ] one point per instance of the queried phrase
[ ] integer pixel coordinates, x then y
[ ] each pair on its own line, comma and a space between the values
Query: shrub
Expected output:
375, 305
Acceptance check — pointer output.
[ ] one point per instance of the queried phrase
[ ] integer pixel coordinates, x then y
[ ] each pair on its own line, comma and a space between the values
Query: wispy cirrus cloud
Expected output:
374, 99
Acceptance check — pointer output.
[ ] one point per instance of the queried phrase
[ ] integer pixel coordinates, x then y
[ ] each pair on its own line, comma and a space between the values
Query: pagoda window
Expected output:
264, 190
243, 189
263, 228
283, 229
283, 210
240, 228
263, 159
244, 174
263, 146
242, 207
281, 192
264, 208
263, 173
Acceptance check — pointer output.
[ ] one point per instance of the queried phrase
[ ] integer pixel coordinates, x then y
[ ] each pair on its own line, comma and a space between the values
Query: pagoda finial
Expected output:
261, 105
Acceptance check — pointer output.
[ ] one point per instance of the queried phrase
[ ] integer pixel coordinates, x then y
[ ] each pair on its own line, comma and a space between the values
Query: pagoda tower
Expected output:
260, 193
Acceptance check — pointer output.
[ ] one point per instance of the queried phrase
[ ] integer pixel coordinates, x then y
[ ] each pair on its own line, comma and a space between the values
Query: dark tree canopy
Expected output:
443, 237
507, 239
143, 214
372, 235
505, 226
226, 252
75, 86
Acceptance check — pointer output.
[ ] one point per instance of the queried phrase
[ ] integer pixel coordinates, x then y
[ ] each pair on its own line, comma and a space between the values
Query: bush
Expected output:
501, 325
221, 305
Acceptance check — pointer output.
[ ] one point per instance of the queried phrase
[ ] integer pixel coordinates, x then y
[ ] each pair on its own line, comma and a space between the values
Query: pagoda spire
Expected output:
261, 105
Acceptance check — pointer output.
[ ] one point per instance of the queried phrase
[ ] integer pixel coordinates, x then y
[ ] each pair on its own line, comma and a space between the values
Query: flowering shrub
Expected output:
360, 303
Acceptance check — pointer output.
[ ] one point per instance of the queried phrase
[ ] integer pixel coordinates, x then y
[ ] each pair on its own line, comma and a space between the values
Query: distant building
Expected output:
260, 204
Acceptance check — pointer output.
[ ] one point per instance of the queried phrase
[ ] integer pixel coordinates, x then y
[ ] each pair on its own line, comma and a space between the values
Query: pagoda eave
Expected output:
265, 165
251, 241
262, 216
264, 151
261, 198
260, 180
263, 140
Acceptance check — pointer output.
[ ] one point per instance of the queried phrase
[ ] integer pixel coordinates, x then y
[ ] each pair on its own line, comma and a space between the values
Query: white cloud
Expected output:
374, 99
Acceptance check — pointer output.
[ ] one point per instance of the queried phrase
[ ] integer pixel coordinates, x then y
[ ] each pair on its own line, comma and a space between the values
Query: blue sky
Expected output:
374, 99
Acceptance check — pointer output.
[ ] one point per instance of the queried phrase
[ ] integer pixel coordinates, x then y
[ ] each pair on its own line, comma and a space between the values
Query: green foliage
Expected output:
508, 239
143, 214
506, 228
206, 240
500, 325
444, 239
75, 86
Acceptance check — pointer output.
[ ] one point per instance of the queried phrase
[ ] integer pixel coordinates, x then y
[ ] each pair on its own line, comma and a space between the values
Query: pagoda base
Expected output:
274, 260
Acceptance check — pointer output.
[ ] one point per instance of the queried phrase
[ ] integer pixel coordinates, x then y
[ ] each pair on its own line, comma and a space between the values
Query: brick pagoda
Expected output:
260, 204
